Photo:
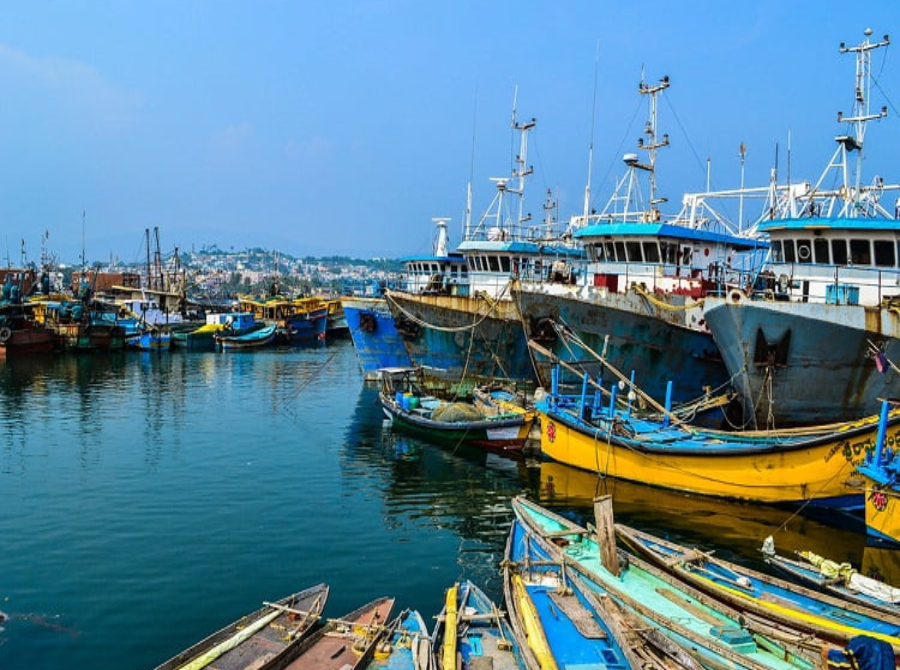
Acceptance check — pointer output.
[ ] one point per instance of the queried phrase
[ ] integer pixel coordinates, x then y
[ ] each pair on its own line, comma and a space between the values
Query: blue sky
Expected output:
343, 126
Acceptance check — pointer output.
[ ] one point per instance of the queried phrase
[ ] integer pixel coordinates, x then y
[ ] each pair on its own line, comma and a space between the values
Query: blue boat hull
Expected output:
374, 335
306, 328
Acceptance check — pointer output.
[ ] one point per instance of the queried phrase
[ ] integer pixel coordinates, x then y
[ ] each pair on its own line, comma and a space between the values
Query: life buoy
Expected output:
735, 295
5, 334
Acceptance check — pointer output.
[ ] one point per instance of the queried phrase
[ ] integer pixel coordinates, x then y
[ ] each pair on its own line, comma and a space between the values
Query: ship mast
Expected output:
856, 199
633, 209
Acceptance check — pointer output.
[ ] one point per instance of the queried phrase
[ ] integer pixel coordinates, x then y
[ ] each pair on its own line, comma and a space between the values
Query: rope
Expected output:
448, 329
640, 290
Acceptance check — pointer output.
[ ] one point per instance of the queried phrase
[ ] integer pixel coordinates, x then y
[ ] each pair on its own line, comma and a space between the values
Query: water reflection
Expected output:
734, 529
465, 491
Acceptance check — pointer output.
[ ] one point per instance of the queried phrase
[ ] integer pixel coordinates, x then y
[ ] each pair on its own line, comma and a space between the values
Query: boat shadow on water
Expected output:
736, 530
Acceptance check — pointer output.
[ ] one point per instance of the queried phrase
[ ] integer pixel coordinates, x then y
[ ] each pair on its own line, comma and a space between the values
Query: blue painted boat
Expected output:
472, 633
254, 339
561, 623
838, 579
374, 335
308, 324
150, 339
716, 634
765, 597
406, 645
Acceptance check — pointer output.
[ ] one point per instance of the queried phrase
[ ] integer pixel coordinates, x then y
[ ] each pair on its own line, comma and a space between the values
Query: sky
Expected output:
342, 127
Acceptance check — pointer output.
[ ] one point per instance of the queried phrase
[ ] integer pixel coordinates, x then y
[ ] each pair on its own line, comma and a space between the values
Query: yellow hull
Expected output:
815, 472
883, 512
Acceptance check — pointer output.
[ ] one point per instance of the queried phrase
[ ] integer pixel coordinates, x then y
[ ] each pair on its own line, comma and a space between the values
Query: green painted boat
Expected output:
714, 634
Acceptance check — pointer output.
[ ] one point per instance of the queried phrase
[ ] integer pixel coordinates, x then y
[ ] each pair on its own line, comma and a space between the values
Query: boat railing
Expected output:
828, 284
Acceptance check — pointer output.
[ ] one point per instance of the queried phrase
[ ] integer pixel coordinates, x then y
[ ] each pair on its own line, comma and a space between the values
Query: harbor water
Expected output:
150, 499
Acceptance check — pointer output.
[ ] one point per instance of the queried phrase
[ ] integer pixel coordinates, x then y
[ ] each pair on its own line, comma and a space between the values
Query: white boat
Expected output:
802, 346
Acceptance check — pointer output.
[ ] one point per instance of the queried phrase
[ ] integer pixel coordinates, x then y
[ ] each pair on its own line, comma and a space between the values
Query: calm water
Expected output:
151, 499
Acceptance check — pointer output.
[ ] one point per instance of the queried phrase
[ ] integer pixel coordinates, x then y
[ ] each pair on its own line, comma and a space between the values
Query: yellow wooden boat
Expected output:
789, 466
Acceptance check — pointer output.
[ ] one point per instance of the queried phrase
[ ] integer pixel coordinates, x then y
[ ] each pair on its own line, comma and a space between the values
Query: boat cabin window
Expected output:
493, 264
804, 251
620, 252
789, 253
884, 253
634, 252
820, 247
860, 252
686, 254
651, 252
610, 251
777, 254
839, 252
504, 264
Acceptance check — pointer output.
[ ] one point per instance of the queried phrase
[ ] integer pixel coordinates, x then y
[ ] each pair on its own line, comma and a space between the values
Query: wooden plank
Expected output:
578, 615
606, 534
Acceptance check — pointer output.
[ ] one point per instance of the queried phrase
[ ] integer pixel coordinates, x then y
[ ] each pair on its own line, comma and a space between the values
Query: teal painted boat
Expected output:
473, 634
714, 633
561, 623
255, 339
271, 634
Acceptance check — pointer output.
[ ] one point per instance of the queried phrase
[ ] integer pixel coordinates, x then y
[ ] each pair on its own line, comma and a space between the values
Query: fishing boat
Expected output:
470, 334
406, 646
80, 326
560, 623
831, 291
810, 465
336, 324
20, 334
841, 580
378, 341
450, 423
375, 338
716, 635
269, 635
202, 338
25, 340
255, 339
639, 293
150, 339
297, 320
765, 597
346, 643
472, 633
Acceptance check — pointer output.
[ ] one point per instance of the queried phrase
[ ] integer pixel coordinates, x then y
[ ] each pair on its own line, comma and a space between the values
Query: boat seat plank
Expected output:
579, 615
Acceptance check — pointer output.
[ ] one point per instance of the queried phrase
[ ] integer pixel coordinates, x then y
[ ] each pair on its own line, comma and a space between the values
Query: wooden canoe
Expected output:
270, 634
347, 643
